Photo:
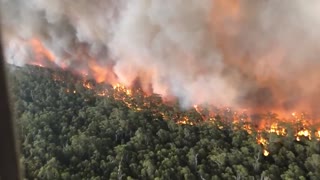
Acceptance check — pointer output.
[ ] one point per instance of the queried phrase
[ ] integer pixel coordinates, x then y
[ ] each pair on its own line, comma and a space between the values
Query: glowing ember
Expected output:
303, 133
102, 93
317, 134
265, 152
262, 141
122, 88
276, 129
87, 85
199, 111
185, 120
248, 128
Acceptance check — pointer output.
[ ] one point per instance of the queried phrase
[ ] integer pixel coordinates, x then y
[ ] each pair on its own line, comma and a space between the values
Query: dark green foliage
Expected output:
69, 132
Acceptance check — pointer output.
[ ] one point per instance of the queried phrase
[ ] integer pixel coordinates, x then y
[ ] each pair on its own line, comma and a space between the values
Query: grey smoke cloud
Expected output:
246, 54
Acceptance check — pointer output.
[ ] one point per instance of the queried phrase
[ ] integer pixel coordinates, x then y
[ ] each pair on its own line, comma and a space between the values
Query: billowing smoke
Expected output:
261, 55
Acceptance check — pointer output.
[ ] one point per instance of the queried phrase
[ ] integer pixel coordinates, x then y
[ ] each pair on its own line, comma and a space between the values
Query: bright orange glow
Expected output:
276, 129
185, 120
223, 9
262, 141
122, 88
199, 111
102, 73
303, 133
102, 93
248, 128
317, 134
87, 85
41, 52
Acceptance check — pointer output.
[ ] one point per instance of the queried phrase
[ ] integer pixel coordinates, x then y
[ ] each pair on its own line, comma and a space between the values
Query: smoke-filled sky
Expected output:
243, 53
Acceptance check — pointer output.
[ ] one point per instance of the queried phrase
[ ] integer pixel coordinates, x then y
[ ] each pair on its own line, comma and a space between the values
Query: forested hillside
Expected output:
70, 131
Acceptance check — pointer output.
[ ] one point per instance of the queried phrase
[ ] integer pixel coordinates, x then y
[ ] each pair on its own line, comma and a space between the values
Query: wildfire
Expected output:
275, 128
41, 53
185, 120
318, 134
127, 96
102, 94
303, 133
262, 141
87, 85
102, 73
105, 74
122, 88
248, 128
265, 152
200, 111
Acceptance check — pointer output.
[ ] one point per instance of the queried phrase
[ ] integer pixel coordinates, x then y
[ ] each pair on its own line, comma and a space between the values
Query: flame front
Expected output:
210, 56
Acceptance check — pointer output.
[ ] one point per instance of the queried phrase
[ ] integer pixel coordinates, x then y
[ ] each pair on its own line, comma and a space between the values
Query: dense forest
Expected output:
71, 128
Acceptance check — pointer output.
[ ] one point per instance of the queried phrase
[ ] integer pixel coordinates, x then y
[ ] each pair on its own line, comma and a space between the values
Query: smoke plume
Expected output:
261, 55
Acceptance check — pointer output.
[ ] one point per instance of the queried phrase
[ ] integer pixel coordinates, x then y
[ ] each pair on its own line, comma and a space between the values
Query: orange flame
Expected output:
41, 52
185, 120
87, 85
280, 131
265, 152
303, 133
105, 74
102, 73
